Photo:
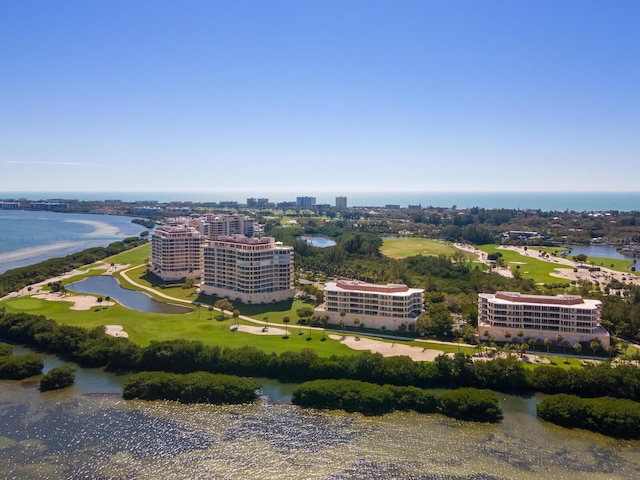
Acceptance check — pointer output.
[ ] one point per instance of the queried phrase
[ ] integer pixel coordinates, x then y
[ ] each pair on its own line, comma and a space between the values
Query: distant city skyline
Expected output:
331, 96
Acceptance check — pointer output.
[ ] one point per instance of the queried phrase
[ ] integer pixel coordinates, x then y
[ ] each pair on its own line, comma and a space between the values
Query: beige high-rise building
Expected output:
251, 270
224, 224
176, 251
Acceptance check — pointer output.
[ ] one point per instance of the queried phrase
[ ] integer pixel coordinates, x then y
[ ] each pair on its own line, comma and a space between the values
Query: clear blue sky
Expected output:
323, 95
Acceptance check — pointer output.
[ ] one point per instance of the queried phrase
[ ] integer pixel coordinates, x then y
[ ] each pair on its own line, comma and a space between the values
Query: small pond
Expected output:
109, 287
597, 251
320, 242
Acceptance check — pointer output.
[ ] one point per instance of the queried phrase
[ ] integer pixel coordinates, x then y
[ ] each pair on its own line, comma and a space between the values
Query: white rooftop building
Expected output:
375, 306
576, 319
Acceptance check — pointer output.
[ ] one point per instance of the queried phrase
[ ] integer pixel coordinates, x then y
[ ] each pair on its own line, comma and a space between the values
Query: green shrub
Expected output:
57, 378
5, 349
198, 387
609, 416
471, 404
17, 367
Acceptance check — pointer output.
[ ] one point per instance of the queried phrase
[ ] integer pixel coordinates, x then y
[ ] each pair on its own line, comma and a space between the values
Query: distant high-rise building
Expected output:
257, 202
305, 202
341, 202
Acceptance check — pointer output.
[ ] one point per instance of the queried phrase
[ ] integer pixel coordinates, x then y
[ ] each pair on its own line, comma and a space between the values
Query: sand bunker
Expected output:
80, 302
387, 349
258, 330
116, 331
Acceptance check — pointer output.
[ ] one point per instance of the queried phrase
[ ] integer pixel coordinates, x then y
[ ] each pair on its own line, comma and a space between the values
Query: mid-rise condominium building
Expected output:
375, 306
504, 314
341, 202
176, 250
252, 270
227, 225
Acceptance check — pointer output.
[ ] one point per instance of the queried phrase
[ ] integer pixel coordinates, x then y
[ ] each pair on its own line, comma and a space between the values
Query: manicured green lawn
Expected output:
135, 256
144, 328
530, 266
409, 246
617, 264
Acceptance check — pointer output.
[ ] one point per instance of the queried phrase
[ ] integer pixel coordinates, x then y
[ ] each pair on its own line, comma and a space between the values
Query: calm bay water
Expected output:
28, 237
90, 432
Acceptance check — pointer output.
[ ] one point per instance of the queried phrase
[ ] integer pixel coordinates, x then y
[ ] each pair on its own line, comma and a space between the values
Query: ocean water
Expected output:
547, 201
28, 237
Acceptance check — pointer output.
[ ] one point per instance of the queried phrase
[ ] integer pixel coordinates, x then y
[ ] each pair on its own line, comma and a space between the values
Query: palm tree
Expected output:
507, 335
29, 289
532, 343
210, 308
99, 300
578, 348
356, 322
342, 324
198, 305
523, 347
236, 314
457, 334
547, 343
594, 345
286, 321
520, 335
107, 299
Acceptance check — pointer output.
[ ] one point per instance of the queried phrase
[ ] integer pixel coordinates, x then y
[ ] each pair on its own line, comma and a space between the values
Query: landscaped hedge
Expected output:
198, 387
609, 416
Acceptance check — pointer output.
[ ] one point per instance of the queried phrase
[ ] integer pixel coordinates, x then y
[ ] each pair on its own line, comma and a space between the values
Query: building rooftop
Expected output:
357, 286
516, 297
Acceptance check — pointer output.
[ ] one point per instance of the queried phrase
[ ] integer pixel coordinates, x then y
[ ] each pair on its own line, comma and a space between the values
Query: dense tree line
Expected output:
621, 314
89, 348
609, 416
621, 381
18, 278
197, 387
96, 349
374, 399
